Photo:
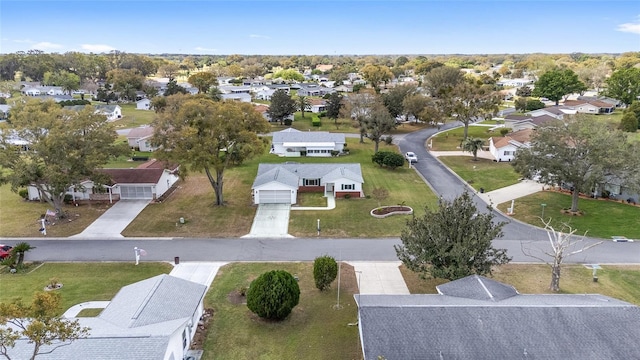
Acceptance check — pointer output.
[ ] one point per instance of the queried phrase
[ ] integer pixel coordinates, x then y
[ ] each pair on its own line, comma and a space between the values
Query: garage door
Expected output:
275, 196
136, 192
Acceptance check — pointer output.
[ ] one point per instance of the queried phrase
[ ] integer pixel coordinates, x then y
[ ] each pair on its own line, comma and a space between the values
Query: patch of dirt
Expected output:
202, 329
389, 209
236, 298
572, 213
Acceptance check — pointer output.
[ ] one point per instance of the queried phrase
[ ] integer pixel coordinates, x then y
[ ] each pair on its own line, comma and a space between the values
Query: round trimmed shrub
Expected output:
273, 295
325, 270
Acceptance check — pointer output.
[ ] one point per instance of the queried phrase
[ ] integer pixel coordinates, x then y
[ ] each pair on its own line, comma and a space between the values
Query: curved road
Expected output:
517, 236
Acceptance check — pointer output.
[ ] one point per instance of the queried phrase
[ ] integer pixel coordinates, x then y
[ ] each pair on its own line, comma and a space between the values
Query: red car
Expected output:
5, 251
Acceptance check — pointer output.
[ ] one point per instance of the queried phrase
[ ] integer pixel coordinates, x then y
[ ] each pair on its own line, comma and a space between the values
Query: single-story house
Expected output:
264, 94
143, 104
240, 97
231, 89
4, 111
479, 318
42, 90
317, 105
590, 107
112, 112
280, 183
312, 89
149, 181
557, 112
294, 143
514, 82
140, 138
503, 148
152, 319
343, 88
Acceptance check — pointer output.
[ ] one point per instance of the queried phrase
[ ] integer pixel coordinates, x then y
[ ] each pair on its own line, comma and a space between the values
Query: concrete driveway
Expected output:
110, 224
271, 221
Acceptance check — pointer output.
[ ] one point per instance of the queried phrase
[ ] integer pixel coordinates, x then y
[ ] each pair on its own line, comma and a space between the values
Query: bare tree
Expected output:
563, 245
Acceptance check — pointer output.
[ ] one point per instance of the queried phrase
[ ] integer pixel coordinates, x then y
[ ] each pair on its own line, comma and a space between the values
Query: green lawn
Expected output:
450, 140
133, 118
602, 218
81, 281
314, 330
484, 173
620, 282
194, 199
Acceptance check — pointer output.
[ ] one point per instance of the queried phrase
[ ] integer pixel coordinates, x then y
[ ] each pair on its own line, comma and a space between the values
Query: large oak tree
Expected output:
580, 152
205, 135
556, 83
64, 148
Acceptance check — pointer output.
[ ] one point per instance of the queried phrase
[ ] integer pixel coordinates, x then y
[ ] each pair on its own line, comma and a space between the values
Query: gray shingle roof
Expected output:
477, 287
293, 135
143, 347
290, 173
517, 327
155, 300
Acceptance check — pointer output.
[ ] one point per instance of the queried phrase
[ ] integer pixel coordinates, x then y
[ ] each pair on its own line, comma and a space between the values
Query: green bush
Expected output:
393, 160
273, 295
288, 122
504, 131
325, 270
388, 140
378, 157
315, 121
23, 193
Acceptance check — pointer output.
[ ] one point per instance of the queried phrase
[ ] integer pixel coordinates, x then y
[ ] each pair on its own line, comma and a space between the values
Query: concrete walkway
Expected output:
481, 154
75, 309
331, 204
521, 189
198, 272
110, 224
379, 277
271, 221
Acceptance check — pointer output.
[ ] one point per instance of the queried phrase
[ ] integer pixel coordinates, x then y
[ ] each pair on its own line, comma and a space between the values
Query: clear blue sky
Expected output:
314, 27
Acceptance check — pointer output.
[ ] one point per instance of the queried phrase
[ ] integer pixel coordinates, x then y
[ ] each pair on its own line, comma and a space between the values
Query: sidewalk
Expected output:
379, 278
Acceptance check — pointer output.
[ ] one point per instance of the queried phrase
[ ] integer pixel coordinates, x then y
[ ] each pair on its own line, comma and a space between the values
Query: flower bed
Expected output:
384, 211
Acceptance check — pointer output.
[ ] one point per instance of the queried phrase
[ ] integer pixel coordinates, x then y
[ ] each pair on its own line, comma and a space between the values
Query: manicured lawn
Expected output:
133, 118
484, 173
311, 199
314, 330
194, 200
450, 140
620, 282
81, 281
21, 218
602, 218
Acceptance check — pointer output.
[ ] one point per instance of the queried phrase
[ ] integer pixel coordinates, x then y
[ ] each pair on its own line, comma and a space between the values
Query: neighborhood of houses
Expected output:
478, 317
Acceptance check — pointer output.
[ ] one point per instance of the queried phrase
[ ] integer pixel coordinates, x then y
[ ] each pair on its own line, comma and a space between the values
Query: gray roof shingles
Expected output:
290, 173
292, 135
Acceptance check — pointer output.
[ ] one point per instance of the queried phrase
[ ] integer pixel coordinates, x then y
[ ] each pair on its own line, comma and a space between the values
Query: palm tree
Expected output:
19, 250
472, 145
303, 104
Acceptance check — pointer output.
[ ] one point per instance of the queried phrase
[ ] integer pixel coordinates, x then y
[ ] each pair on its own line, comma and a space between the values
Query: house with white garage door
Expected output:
148, 181
280, 183
295, 143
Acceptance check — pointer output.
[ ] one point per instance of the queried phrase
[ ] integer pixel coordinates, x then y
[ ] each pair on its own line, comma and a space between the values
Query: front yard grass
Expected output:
131, 117
620, 282
81, 281
21, 218
484, 173
602, 218
451, 140
313, 330
194, 201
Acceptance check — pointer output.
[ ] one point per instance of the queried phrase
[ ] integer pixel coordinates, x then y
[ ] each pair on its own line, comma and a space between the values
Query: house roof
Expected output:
474, 325
293, 135
290, 173
596, 103
140, 132
518, 137
158, 164
155, 300
261, 108
134, 176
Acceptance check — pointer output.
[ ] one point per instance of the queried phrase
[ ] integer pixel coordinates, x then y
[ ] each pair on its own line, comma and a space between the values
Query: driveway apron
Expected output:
379, 278
271, 221
115, 220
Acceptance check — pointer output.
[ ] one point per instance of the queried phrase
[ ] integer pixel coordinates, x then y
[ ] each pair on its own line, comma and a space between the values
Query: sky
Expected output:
320, 27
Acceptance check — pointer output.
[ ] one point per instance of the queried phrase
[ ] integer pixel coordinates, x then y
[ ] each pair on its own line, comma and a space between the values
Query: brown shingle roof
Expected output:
140, 132
157, 164
134, 176
521, 136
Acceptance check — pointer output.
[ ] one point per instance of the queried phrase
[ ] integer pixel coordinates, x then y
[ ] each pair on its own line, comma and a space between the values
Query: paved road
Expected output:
286, 249
444, 182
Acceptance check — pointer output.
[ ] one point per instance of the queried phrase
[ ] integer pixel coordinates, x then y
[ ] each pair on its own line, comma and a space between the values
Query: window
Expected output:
348, 187
509, 153
311, 182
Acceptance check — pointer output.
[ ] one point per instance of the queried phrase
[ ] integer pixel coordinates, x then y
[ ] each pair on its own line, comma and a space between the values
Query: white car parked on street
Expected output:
411, 157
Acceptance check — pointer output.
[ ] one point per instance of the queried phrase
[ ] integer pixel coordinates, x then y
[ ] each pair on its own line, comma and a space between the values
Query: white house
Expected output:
144, 104
140, 138
148, 181
280, 183
503, 148
311, 89
240, 97
264, 94
112, 112
156, 318
294, 143
317, 105
590, 107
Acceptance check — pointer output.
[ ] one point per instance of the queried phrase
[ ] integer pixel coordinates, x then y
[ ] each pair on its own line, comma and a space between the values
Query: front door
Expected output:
328, 189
